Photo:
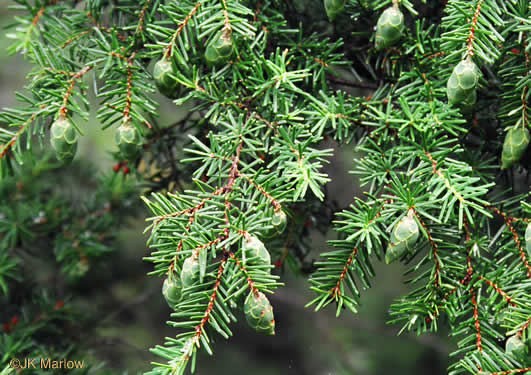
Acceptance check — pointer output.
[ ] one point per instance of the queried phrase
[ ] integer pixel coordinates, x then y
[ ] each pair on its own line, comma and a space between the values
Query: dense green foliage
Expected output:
444, 166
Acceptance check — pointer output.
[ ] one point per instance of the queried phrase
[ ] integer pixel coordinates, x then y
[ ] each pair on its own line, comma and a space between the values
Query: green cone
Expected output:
219, 51
279, 221
167, 86
528, 239
333, 8
462, 83
403, 237
190, 271
514, 345
389, 28
252, 247
63, 138
128, 139
514, 146
171, 290
259, 313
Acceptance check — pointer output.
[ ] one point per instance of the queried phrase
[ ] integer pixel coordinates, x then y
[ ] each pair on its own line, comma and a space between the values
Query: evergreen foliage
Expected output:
443, 138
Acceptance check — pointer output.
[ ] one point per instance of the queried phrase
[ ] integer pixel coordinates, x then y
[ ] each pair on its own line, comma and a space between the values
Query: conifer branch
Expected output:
470, 40
499, 291
17, 135
206, 317
63, 110
261, 105
476, 319
140, 26
508, 222
336, 291
168, 49
434, 246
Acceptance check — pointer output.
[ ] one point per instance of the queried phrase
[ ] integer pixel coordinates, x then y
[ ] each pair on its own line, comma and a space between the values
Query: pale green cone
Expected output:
190, 271
259, 313
167, 85
514, 345
514, 146
63, 138
528, 239
403, 237
128, 139
333, 8
255, 250
219, 51
462, 83
279, 221
171, 290
389, 28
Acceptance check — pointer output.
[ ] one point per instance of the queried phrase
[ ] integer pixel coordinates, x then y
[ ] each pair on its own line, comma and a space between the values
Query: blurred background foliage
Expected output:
133, 311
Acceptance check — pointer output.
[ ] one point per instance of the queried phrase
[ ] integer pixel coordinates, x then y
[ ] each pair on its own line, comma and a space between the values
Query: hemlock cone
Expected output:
514, 345
63, 138
259, 313
514, 146
389, 28
128, 139
403, 237
252, 247
166, 84
279, 221
333, 8
528, 239
219, 50
462, 83
171, 290
190, 271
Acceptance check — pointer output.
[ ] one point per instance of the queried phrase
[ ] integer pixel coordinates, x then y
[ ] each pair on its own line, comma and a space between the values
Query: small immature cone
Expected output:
259, 313
254, 248
389, 28
171, 290
514, 146
279, 221
528, 240
63, 138
165, 84
403, 237
190, 271
461, 85
220, 50
514, 345
128, 139
333, 8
